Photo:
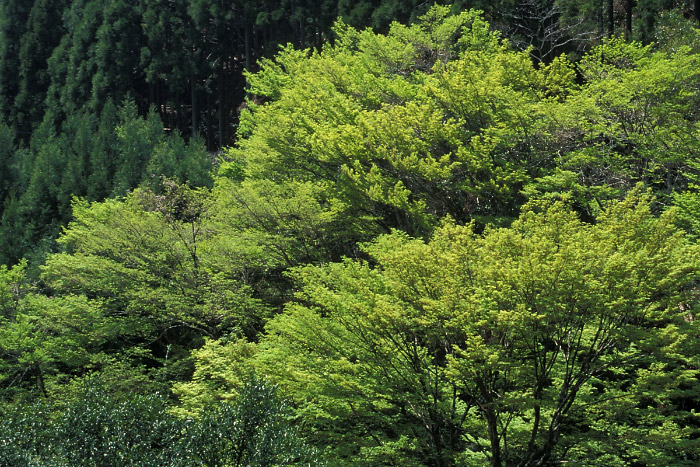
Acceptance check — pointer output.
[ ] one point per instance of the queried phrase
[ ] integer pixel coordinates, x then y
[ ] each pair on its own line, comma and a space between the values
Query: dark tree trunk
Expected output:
696, 10
210, 123
628, 19
247, 46
194, 108
492, 423
222, 105
247, 55
256, 39
611, 18
40, 381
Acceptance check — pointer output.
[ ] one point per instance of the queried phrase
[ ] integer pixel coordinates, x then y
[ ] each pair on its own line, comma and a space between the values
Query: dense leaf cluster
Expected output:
101, 429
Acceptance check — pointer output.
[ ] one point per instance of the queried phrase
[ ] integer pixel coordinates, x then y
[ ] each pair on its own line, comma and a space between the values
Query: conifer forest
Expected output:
349, 233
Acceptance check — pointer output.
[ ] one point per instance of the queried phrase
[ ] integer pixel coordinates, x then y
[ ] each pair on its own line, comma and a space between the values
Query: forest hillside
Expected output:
369, 233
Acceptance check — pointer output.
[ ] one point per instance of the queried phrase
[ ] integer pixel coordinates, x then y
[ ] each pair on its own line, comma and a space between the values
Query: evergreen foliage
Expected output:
100, 429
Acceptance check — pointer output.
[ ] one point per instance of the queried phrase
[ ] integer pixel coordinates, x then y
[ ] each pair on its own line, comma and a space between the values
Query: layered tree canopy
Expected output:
426, 247
500, 348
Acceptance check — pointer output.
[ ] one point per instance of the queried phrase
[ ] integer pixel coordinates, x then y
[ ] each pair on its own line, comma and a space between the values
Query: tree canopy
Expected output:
426, 244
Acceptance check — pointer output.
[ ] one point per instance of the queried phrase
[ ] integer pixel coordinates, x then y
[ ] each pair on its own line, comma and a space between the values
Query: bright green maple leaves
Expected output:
408, 127
139, 283
494, 345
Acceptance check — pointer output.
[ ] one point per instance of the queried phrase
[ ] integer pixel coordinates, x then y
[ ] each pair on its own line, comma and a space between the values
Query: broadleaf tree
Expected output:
498, 348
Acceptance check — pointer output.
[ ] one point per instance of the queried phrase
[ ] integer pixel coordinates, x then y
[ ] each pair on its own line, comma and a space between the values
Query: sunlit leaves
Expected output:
431, 119
497, 339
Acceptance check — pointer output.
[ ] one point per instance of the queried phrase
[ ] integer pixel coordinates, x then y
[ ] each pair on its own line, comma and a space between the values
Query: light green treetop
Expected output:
500, 347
